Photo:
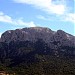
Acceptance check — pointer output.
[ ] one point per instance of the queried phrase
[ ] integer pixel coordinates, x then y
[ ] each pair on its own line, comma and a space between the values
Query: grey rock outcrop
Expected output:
34, 33
30, 34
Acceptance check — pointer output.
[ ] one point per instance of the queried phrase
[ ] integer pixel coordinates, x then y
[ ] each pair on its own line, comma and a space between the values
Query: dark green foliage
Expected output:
28, 58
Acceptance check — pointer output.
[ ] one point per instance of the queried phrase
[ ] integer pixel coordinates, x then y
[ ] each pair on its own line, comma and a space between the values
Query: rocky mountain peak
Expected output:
37, 29
30, 34
35, 33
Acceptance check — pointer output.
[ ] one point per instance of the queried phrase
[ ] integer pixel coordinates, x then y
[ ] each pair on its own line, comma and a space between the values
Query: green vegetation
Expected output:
50, 66
26, 58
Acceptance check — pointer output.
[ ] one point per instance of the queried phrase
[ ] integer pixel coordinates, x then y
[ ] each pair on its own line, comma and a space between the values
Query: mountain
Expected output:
30, 47
34, 33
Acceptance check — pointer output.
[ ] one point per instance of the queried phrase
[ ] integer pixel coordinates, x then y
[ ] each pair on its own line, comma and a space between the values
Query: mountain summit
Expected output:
35, 33
30, 34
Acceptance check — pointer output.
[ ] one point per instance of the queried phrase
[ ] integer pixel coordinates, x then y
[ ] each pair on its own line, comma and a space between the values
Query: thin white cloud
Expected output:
58, 7
1, 13
18, 22
5, 18
46, 5
70, 17
45, 18
41, 17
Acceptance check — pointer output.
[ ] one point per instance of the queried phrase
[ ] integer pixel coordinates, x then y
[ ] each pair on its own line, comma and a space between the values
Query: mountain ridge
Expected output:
32, 33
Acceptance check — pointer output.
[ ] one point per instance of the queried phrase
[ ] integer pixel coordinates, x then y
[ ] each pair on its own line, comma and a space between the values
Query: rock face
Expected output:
24, 44
30, 34
35, 33
52, 38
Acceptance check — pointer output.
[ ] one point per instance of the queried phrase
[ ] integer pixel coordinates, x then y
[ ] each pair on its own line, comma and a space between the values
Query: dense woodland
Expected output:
28, 58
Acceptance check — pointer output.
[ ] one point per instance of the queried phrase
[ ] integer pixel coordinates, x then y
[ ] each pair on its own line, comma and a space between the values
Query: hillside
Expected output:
37, 51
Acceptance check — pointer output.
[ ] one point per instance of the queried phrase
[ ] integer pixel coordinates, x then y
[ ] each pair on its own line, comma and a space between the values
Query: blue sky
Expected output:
54, 14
